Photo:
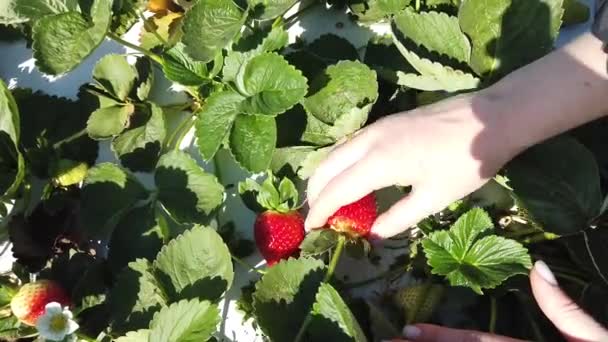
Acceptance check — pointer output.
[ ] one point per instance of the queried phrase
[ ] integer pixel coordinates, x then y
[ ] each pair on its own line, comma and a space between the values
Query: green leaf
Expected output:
575, 12
62, 119
270, 84
437, 32
263, 40
332, 320
115, 75
20, 11
69, 172
135, 336
562, 199
253, 140
510, 33
107, 122
269, 9
285, 295
214, 121
137, 235
318, 242
119, 191
209, 26
12, 165
126, 14
331, 49
139, 147
433, 76
312, 161
180, 68
197, 264
344, 87
373, 11
251, 46
62, 41
382, 55
145, 79
191, 320
185, 189
291, 157
467, 259
135, 297
10, 328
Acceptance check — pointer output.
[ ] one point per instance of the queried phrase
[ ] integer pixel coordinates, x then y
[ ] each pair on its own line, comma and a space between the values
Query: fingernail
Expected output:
412, 332
544, 272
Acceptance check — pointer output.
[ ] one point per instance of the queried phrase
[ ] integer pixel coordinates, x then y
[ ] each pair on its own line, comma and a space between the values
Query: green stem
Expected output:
417, 5
335, 258
85, 337
330, 272
540, 237
493, 314
70, 138
246, 265
143, 51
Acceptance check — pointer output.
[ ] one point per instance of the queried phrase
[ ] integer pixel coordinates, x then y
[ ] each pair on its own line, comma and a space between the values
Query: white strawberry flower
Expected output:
56, 323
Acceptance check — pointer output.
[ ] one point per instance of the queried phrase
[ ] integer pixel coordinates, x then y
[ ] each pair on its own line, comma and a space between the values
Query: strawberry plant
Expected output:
142, 245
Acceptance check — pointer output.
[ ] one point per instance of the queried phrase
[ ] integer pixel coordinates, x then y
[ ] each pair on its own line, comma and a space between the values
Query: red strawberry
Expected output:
279, 227
29, 302
278, 235
355, 219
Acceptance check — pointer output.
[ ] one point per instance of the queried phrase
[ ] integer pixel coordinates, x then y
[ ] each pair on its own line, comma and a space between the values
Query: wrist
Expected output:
550, 96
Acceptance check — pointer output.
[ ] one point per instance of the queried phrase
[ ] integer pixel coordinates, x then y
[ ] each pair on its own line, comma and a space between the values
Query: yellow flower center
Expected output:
58, 323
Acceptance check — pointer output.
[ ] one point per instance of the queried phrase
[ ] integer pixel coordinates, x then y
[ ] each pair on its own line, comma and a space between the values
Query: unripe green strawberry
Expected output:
29, 302
278, 235
355, 219
419, 301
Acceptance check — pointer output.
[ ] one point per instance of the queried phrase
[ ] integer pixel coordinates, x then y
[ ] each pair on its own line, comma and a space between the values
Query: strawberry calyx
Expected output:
272, 194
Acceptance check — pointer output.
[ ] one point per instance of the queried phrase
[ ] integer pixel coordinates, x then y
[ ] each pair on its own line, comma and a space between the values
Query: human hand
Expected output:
566, 315
444, 151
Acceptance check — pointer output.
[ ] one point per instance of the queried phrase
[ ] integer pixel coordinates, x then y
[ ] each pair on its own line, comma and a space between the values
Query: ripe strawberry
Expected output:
278, 235
355, 219
279, 227
419, 301
29, 302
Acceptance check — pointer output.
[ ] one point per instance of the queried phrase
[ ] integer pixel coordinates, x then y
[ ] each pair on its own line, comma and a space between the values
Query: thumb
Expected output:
563, 312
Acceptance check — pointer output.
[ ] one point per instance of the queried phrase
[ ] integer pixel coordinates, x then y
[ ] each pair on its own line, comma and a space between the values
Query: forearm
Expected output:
561, 91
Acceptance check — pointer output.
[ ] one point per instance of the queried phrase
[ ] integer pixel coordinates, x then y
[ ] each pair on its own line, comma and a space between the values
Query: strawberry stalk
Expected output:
493, 314
246, 265
333, 262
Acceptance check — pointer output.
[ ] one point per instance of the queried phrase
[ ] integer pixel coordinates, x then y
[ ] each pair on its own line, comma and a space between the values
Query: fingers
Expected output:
417, 205
435, 333
341, 158
568, 317
347, 187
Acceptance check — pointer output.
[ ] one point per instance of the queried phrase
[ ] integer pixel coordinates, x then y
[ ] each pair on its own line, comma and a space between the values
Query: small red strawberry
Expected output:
355, 219
278, 235
279, 227
29, 302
